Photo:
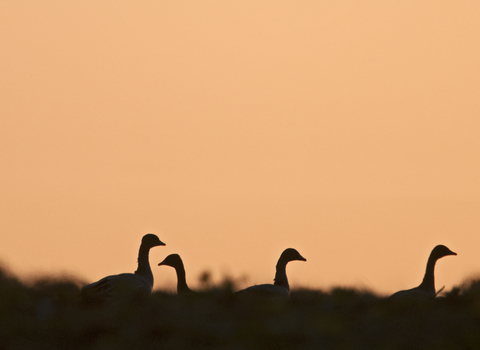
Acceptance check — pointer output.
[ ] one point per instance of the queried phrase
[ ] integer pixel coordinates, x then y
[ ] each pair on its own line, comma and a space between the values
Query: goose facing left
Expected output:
138, 283
174, 260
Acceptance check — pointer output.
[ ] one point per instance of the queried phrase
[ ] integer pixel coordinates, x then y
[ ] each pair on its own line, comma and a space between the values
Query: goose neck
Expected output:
281, 275
144, 269
182, 286
429, 278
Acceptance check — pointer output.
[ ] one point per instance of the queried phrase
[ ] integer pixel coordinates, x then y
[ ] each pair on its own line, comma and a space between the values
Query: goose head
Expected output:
440, 251
172, 260
150, 240
291, 254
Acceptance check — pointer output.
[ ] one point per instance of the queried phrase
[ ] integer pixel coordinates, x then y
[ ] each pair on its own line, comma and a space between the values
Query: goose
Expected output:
426, 290
280, 288
176, 262
141, 281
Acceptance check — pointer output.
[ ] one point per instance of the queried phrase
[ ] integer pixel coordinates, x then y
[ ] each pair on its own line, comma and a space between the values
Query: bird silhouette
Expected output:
138, 283
176, 262
426, 290
280, 289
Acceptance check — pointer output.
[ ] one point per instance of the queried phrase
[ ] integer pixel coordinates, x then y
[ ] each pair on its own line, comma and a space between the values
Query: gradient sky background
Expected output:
235, 129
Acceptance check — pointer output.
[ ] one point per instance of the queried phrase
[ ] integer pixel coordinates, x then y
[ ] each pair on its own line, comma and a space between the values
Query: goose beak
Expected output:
162, 263
452, 253
302, 258
160, 243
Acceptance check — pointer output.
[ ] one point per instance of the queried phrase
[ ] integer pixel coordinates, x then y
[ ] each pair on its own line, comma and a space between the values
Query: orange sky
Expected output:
234, 129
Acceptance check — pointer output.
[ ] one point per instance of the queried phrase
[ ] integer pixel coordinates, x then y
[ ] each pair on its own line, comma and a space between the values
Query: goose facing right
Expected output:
140, 282
280, 289
176, 262
426, 290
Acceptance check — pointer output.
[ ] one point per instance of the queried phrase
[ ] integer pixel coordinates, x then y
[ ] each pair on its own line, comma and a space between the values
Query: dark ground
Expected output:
50, 314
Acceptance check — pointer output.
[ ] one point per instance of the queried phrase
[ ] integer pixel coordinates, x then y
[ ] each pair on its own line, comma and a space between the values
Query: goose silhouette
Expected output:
280, 288
426, 290
176, 262
138, 283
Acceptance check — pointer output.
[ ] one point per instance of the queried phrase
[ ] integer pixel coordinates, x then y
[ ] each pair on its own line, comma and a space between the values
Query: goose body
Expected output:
426, 290
280, 289
139, 283
176, 262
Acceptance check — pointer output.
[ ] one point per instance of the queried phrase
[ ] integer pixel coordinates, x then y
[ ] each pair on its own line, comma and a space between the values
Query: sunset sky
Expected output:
349, 130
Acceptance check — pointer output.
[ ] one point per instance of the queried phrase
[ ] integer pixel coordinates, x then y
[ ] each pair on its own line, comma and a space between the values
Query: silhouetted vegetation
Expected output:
49, 313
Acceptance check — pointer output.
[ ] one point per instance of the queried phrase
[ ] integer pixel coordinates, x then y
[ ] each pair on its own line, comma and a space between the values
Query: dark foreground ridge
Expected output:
51, 314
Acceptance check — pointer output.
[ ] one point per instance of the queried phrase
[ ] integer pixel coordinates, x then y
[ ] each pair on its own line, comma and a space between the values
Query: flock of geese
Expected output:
141, 281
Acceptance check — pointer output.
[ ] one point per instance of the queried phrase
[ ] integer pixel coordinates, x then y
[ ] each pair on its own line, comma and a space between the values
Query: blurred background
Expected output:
233, 130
